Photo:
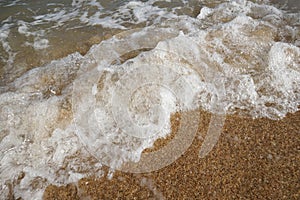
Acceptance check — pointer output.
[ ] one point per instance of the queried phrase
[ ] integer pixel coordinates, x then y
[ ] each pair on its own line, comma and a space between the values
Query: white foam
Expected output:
233, 63
14, 3
133, 12
23, 28
60, 17
40, 43
205, 11
37, 135
4, 34
106, 22
96, 4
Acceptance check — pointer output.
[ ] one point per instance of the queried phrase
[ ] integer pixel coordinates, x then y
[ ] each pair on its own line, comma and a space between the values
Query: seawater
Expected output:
84, 83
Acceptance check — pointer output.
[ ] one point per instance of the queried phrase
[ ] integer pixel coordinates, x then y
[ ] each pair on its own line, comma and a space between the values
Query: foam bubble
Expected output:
40, 43
205, 11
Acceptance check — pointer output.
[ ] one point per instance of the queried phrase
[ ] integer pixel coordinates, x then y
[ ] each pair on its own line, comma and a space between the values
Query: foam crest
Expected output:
37, 136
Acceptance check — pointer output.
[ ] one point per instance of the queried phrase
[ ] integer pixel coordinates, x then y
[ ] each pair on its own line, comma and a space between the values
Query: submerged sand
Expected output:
253, 159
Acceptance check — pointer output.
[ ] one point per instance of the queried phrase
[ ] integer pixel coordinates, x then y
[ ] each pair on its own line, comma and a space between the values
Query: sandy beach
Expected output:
253, 159
88, 86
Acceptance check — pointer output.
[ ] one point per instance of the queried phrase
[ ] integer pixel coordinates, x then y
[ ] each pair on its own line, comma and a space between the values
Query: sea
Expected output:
92, 83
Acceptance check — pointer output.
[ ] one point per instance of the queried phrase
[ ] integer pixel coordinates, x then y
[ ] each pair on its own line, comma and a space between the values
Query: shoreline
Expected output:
70, 70
253, 159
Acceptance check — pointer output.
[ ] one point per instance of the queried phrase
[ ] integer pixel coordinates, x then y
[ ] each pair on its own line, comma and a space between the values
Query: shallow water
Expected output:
86, 84
33, 34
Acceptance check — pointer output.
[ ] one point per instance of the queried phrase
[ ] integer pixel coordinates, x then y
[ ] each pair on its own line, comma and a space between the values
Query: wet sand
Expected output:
253, 159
